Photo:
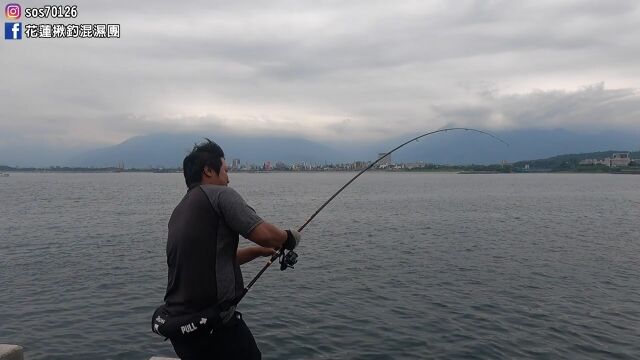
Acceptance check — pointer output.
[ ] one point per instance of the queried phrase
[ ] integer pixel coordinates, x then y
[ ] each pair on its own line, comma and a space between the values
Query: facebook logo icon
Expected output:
13, 31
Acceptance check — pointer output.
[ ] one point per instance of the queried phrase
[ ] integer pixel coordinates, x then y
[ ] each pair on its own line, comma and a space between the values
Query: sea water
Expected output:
400, 265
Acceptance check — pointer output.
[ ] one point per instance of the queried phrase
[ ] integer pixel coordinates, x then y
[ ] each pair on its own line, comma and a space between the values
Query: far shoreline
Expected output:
413, 171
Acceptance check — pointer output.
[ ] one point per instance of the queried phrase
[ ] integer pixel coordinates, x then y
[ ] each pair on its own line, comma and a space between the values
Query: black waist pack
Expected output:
180, 326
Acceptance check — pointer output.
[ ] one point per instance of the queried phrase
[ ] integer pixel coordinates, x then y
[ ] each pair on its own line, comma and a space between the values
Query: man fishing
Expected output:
204, 276
205, 282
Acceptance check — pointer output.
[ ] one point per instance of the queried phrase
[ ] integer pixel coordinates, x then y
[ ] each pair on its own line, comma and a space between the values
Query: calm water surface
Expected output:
399, 266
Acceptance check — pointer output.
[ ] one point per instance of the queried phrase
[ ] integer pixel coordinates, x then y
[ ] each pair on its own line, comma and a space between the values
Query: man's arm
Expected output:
247, 254
268, 235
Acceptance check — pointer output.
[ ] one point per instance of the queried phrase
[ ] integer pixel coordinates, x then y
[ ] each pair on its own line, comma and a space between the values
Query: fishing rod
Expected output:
289, 259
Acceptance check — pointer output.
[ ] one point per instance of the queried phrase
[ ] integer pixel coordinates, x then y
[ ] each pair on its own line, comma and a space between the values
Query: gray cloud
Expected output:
303, 67
592, 109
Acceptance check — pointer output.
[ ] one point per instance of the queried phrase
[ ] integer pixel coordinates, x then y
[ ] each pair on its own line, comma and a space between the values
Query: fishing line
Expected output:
289, 259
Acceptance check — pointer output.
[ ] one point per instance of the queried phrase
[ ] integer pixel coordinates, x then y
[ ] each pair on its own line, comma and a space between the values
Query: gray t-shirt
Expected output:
201, 248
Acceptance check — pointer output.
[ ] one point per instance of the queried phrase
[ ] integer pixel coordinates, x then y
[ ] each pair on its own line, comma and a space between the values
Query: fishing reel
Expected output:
288, 260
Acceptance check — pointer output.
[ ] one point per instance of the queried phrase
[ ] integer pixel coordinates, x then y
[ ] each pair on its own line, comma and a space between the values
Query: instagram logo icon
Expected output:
12, 11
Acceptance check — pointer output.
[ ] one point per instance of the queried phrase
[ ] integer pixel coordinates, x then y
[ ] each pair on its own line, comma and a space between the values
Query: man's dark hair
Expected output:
207, 153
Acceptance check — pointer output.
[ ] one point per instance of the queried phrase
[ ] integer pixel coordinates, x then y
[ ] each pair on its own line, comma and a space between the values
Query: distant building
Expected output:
267, 166
618, 159
605, 162
415, 165
359, 165
235, 165
385, 162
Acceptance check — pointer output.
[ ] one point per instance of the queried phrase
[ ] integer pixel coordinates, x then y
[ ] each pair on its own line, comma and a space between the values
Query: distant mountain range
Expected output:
471, 148
571, 160
168, 150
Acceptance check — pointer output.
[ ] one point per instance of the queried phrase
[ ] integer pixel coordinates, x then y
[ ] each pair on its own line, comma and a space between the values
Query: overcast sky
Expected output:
324, 70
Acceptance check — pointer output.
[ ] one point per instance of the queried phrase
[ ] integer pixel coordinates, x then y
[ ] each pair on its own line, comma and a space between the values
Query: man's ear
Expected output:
208, 172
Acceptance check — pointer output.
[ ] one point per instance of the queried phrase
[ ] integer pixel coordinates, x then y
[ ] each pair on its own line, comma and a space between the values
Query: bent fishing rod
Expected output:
290, 259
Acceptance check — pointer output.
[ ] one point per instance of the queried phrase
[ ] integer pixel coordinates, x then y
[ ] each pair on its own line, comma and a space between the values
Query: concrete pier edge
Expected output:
11, 352
15, 352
